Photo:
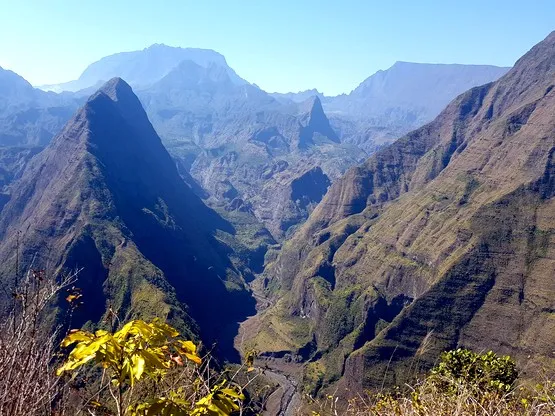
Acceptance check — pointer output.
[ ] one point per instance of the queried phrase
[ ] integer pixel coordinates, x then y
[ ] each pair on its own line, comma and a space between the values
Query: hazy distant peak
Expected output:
312, 105
145, 67
314, 120
298, 97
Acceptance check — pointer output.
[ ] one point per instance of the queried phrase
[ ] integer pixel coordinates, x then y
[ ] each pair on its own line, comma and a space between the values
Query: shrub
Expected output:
483, 372
147, 350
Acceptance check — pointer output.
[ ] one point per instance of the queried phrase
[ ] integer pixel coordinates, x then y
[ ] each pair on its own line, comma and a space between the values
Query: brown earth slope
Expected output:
445, 238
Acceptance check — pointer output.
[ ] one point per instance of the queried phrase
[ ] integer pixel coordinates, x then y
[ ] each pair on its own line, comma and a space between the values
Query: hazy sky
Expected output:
282, 45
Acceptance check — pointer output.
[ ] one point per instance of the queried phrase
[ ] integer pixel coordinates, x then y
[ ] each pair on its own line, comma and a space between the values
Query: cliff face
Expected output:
105, 195
442, 239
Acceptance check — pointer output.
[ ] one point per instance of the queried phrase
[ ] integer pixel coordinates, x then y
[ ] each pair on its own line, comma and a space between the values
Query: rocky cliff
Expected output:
443, 239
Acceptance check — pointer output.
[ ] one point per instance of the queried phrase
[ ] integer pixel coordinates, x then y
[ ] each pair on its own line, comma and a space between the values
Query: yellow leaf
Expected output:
76, 336
188, 346
138, 366
193, 357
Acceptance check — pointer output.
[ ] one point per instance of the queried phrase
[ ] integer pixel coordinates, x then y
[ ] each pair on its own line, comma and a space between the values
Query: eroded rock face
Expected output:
443, 239
289, 198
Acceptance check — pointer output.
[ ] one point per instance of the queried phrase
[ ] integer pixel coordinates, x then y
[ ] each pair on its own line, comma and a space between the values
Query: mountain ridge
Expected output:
105, 194
143, 67
440, 240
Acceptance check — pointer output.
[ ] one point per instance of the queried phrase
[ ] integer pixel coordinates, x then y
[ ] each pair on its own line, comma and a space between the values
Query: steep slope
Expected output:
143, 68
105, 196
392, 102
443, 239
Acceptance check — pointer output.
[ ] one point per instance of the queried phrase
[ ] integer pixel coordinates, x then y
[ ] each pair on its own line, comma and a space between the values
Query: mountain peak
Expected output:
126, 103
116, 88
314, 120
541, 56
312, 106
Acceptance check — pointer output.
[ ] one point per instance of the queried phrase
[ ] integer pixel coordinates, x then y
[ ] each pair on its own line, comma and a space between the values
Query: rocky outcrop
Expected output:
288, 199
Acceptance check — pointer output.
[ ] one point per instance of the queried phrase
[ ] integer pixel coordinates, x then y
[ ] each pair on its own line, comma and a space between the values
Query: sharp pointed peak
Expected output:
116, 88
311, 105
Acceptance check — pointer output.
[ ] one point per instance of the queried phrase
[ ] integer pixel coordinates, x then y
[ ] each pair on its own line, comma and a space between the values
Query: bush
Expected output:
483, 372
142, 369
28, 385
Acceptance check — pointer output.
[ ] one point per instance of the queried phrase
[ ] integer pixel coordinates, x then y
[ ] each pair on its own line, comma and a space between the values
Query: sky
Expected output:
281, 45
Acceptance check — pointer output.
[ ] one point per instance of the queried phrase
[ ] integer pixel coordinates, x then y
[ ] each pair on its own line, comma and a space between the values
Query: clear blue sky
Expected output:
281, 45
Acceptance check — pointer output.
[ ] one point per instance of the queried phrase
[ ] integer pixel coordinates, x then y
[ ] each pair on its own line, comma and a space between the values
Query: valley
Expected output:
343, 242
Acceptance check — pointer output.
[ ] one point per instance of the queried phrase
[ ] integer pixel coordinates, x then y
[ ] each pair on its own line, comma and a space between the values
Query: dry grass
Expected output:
28, 385
426, 399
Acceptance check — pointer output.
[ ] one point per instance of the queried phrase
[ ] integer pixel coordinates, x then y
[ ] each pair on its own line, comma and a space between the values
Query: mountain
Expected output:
229, 135
412, 92
443, 239
105, 196
298, 97
143, 68
30, 117
244, 147
393, 102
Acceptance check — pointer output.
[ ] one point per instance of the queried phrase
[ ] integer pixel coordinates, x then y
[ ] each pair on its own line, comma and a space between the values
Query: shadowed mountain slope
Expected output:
106, 196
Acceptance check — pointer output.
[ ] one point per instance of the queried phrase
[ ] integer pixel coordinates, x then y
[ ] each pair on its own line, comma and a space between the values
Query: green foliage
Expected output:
485, 372
221, 401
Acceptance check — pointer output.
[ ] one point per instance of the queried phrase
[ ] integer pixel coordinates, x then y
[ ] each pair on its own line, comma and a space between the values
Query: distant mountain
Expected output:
297, 97
28, 116
444, 239
411, 93
240, 143
392, 102
143, 68
106, 196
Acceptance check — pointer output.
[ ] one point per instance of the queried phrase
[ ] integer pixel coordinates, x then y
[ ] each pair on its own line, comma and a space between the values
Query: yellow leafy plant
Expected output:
142, 349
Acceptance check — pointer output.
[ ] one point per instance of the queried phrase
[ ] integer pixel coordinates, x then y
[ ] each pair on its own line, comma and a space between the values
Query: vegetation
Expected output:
136, 369
464, 383
144, 368
140, 349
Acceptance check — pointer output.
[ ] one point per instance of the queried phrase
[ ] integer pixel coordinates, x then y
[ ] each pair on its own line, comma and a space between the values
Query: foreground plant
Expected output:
28, 385
145, 350
464, 383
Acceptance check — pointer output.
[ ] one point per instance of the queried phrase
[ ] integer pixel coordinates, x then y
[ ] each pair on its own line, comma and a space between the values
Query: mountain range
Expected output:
443, 239
181, 190
244, 148
142, 68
